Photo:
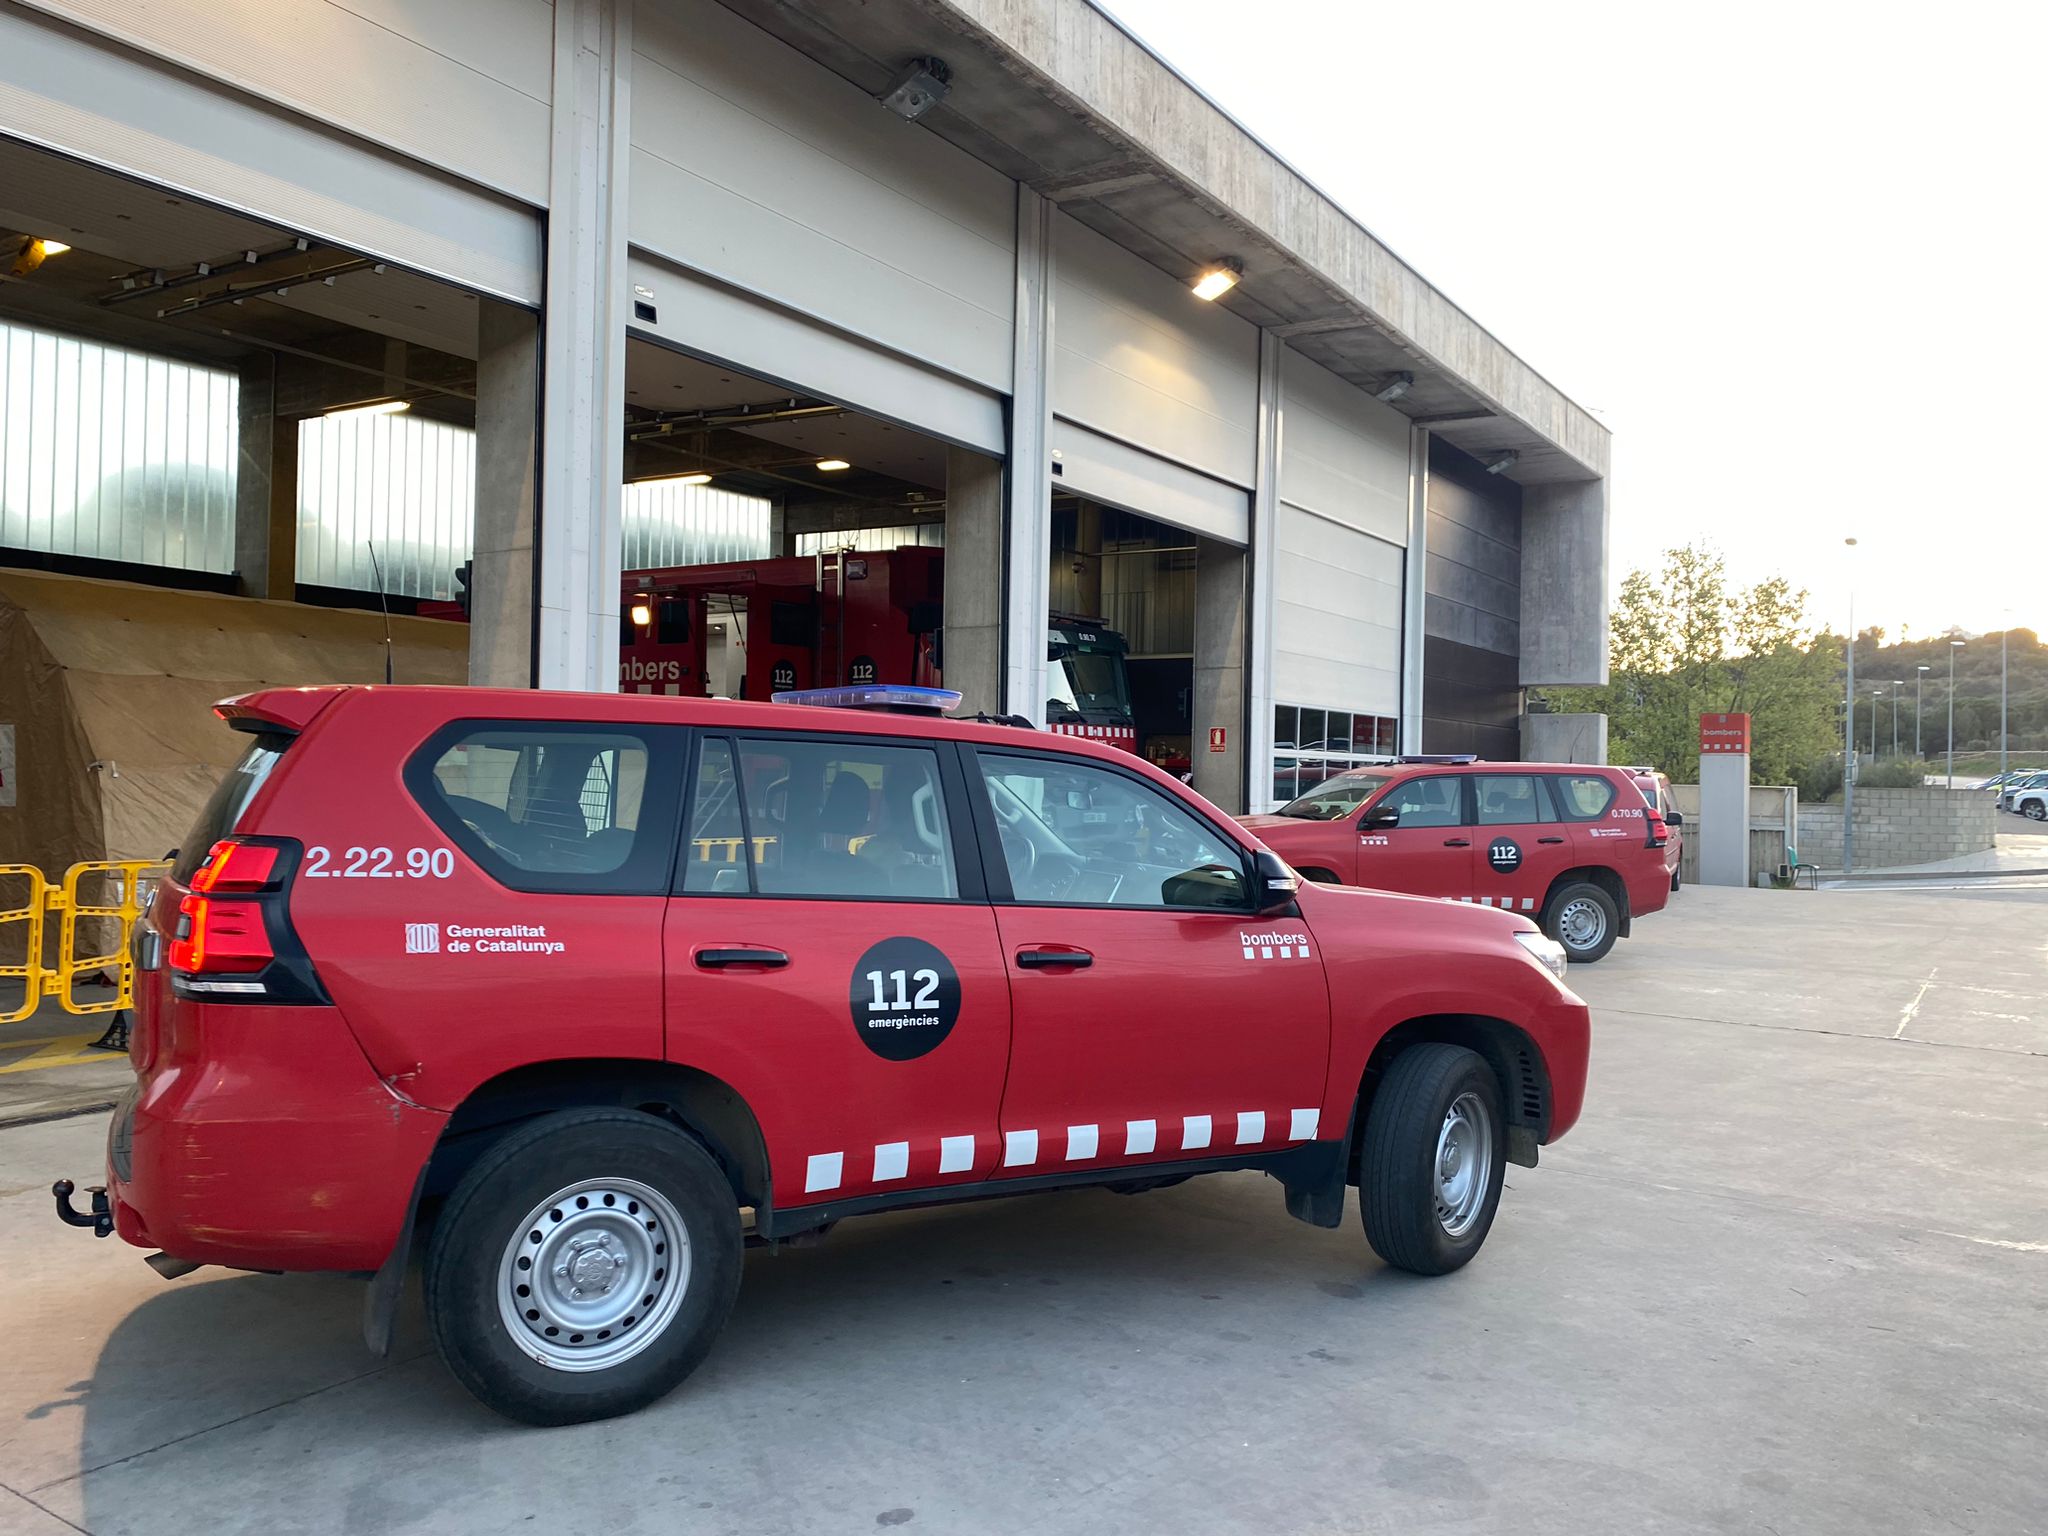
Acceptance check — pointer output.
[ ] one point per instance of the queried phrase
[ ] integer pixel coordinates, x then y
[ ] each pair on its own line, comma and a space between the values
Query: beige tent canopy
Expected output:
108, 746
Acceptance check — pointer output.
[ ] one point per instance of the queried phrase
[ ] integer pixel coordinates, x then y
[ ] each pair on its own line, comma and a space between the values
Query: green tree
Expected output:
1685, 643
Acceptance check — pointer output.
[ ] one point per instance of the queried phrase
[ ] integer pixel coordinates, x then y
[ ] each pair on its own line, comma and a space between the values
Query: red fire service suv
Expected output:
1575, 847
580, 994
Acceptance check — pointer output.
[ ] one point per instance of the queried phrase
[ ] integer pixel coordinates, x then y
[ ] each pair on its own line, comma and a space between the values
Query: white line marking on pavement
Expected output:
2002, 1242
1906, 1013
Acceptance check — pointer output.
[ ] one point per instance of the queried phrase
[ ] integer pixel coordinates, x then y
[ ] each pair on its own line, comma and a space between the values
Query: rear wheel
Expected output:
1435, 1159
1584, 919
2037, 810
583, 1267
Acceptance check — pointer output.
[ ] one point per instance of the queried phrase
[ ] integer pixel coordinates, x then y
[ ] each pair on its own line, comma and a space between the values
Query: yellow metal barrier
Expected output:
118, 906
30, 916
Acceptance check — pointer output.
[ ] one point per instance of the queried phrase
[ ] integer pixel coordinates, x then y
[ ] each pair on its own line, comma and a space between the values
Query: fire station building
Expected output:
312, 309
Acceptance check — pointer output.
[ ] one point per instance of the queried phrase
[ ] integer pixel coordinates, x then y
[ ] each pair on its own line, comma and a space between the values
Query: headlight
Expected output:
1546, 952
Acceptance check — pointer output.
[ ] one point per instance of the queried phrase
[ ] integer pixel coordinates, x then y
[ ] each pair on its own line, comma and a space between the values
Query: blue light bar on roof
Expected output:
894, 698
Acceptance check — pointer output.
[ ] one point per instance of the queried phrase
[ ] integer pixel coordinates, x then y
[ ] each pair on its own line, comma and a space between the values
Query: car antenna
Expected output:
383, 603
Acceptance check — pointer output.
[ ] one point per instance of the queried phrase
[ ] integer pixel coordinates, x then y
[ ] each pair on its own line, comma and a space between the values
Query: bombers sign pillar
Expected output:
1723, 831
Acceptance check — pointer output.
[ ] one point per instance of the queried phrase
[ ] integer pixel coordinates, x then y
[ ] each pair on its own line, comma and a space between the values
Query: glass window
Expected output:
1335, 798
715, 859
1507, 799
1582, 796
1079, 835
1283, 726
1312, 738
547, 807
1433, 802
827, 818
224, 807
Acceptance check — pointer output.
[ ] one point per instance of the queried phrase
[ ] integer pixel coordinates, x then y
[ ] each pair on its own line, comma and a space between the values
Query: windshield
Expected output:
1334, 799
1086, 683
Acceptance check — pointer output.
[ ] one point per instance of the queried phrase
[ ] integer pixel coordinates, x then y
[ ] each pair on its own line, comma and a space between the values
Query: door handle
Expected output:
1046, 959
1457, 842
1549, 839
718, 959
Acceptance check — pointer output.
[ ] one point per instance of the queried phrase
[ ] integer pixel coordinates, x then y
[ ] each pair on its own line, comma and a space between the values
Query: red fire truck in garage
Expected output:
810, 621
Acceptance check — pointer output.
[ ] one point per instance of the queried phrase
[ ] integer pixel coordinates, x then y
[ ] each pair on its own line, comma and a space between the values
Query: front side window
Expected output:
1075, 834
551, 807
1432, 802
1582, 796
1507, 799
798, 817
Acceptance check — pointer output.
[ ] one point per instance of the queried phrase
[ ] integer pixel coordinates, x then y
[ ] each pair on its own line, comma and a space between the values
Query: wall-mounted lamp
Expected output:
1219, 278
1504, 463
1395, 387
918, 87
643, 612
372, 408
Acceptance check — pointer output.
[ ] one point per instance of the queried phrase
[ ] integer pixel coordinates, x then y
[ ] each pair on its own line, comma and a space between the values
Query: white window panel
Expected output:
401, 484
669, 523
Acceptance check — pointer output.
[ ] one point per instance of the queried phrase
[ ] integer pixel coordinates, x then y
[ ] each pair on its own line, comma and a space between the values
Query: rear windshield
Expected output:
224, 807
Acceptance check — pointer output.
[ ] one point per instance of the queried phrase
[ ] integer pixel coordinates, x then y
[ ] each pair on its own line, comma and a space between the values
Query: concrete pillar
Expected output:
1414, 595
501, 582
1564, 584
266, 485
1578, 738
1221, 613
1026, 542
1260, 693
972, 659
584, 370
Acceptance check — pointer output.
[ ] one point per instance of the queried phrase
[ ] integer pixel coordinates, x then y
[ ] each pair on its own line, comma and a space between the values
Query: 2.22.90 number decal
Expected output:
380, 863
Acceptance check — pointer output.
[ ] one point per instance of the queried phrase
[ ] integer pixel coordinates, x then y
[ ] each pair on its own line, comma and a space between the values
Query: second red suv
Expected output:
1573, 846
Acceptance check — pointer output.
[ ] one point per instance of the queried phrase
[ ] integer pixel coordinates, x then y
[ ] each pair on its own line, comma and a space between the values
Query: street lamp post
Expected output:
1919, 677
1897, 683
1849, 731
2001, 696
1876, 697
1953, 647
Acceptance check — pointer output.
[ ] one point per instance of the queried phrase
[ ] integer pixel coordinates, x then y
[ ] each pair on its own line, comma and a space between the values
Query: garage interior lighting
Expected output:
373, 408
1219, 279
643, 613
698, 478
1395, 387
830, 465
1505, 462
53, 247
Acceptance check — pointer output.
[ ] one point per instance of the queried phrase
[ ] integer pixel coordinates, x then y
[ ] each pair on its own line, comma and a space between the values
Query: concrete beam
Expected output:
1564, 584
972, 659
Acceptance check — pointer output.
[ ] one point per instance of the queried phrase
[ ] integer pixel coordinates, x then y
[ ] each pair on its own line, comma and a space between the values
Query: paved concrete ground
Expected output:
48, 1066
1789, 1274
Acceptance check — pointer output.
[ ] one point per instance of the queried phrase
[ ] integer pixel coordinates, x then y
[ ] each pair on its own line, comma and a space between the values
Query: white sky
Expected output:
1791, 254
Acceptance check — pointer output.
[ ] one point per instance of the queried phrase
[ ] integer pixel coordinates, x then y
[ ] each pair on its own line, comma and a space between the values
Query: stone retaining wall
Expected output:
1901, 826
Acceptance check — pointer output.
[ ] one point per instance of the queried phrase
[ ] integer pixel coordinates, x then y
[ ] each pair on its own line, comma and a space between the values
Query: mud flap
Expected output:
387, 1286
1315, 1189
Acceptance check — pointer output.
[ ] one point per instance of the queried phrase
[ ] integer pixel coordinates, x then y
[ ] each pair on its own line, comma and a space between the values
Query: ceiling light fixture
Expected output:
696, 478
1219, 279
1505, 462
830, 465
1395, 387
371, 408
53, 247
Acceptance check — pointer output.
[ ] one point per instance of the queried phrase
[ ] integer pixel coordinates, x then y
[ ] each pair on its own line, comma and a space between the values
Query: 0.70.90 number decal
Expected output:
380, 863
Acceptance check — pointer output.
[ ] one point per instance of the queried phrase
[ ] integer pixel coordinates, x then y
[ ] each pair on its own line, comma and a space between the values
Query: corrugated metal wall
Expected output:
671, 524
115, 455
872, 540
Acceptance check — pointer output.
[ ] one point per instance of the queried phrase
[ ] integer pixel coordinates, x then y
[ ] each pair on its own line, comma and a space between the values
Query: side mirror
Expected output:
1674, 818
1277, 883
1381, 817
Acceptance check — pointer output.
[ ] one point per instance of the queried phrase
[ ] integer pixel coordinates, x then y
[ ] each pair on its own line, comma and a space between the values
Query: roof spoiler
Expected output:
275, 711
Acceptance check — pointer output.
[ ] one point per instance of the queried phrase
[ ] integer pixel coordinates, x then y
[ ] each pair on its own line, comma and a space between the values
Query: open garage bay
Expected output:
1787, 1274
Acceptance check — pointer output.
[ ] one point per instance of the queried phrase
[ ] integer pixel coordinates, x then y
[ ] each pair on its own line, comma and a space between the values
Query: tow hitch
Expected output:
100, 1218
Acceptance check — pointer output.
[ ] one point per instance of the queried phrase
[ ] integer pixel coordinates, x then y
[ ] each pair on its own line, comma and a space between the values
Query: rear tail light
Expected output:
232, 938
1660, 834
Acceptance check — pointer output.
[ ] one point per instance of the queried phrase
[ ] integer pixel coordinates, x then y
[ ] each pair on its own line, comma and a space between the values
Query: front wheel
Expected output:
2037, 810
1435, 1159
1584, 919
583, 1267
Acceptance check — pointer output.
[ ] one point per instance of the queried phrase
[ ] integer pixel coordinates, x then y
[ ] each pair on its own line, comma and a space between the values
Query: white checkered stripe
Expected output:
1053, 1147
1505, 903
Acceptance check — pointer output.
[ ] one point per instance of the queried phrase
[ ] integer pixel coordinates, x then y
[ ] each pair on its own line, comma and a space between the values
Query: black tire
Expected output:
1674, 881
1560, 920
1398, 1190
470, 1255
2036, 810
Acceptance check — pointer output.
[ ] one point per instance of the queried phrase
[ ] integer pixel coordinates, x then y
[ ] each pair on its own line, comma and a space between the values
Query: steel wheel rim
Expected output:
1582, 924
594, 1274
1464, 1164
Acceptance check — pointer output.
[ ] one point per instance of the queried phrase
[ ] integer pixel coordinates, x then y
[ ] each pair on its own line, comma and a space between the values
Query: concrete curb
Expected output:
1930, 874
44, 1115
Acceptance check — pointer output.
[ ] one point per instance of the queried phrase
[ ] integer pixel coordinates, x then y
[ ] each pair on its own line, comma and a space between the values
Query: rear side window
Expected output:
225, 806
555, 807
796, 816
1582, 796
